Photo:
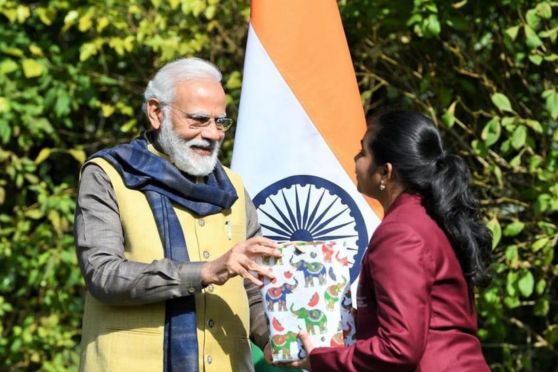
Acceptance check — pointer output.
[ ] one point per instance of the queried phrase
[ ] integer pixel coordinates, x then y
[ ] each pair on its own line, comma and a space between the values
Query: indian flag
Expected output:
299, 127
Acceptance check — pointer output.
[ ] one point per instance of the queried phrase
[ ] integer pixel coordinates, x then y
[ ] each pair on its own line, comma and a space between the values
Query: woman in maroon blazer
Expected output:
415, 295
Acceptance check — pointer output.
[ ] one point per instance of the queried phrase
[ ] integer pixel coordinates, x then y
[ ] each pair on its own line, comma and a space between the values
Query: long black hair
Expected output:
412, 144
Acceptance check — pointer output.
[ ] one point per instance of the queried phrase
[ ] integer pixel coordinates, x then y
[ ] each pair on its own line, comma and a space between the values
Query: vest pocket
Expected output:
135, 350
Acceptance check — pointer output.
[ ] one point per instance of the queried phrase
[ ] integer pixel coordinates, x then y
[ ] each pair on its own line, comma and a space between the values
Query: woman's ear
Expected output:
154, 113
388, 171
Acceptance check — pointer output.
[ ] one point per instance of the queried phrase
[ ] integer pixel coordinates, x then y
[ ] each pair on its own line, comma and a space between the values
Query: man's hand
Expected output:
239, 260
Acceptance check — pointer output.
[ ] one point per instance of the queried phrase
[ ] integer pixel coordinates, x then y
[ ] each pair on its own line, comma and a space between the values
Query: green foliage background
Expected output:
72, 75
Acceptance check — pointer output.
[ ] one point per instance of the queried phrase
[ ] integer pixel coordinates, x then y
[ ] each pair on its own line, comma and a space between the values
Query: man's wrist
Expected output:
190, 274
206, 276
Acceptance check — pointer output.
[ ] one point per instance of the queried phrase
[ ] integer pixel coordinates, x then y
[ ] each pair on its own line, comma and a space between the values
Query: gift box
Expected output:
311, 293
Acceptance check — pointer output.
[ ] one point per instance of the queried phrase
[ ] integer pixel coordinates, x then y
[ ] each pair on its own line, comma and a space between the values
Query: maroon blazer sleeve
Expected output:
399, 271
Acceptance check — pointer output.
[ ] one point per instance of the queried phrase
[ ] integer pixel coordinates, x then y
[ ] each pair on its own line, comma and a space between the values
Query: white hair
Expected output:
163, 84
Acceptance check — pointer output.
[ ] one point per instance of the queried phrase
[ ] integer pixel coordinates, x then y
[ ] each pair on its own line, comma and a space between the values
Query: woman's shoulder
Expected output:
406, 208
409, 216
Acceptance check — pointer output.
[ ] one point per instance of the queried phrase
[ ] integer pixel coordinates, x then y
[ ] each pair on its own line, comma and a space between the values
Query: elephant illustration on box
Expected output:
310, 270
312, 318
333, 293
281, 345
278, 295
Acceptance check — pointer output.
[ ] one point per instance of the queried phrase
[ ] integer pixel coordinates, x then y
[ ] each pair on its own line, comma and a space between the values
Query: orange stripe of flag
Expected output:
306, 42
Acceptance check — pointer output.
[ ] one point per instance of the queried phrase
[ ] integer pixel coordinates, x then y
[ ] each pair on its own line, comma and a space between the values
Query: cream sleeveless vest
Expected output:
130, 338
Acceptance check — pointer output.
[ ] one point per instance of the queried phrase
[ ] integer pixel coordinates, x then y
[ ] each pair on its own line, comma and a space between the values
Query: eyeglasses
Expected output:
201, 121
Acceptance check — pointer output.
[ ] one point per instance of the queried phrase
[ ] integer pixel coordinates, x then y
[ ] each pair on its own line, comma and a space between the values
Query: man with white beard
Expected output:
167, 239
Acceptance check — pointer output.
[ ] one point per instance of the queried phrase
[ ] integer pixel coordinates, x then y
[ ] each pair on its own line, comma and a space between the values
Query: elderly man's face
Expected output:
193, 150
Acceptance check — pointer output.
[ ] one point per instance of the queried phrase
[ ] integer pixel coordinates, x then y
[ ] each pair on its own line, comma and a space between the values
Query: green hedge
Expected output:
72, 75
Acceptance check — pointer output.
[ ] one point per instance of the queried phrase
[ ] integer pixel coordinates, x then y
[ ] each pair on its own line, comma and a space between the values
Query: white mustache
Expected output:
206, 144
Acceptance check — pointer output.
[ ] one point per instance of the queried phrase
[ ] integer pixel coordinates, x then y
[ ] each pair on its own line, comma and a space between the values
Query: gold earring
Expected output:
382, 185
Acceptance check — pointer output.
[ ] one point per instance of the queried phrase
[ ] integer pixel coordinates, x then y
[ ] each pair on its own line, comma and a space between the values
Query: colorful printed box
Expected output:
310, 293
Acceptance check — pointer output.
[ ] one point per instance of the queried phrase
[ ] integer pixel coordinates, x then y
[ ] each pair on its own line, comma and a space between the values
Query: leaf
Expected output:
22, 13
449, 116
4, 106
234, 81
62, 105
128, 126
448, 119
512, 32
56, 221
541, 307
491, 131
45, 15
85, 23
414, 19
210, 11
7, 66
511, 283
70, 19
432, 26
494, 226
526, 283
43, 155
35, 50
540, 287
511, 254
534, 125
519, 137
543, 203
516, 161
491, 295
532, 18
5, 129
536, 59
512, 302
502, 102
509, 123
459, 4
101, 24
532, 39
78, 154
551, 102
479, 148
539, 244
544, 10
514, 228
551, 333
34, 214
535, 162
31, 68
87, 50
107, 109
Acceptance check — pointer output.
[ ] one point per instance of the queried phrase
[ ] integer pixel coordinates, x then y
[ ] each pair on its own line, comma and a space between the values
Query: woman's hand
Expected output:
267, 353
304, 363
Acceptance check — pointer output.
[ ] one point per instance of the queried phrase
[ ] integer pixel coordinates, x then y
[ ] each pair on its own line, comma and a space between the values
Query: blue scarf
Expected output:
163, 184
